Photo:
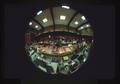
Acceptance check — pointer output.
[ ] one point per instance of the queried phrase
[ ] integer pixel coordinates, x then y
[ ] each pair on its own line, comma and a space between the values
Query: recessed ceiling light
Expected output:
30, 23
38, 13
36, 26
87, 25
45, 20
80, 28
84, 59
83, 18
76, 22
67, 7
62, 17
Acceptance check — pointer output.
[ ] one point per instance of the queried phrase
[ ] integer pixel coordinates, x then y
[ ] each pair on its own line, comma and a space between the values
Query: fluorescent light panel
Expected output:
30, 23
45, 20
84, 59
83, 18
67, 7
80, 28
36, 26
87, 25
62, 17
38, 13
76, 22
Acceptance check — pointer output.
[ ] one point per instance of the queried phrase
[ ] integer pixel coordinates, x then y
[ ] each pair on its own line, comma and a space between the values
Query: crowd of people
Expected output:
59, 64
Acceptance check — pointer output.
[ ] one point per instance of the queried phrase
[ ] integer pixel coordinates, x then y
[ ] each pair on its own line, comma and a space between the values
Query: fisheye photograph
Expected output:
59, 40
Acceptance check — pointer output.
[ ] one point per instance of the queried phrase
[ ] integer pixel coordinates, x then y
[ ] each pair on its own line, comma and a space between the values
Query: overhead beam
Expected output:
80, 26
53, 19
38, 23
72, 19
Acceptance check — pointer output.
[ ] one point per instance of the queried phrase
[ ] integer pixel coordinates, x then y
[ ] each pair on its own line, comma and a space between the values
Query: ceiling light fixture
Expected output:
30, 23
38, 13
45, 20
87, 25
62, 17
80, 28
67, 7
76, 22
83, 18
36, 26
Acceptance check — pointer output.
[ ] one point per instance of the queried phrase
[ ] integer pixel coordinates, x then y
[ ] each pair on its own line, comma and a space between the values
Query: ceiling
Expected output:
61, 19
